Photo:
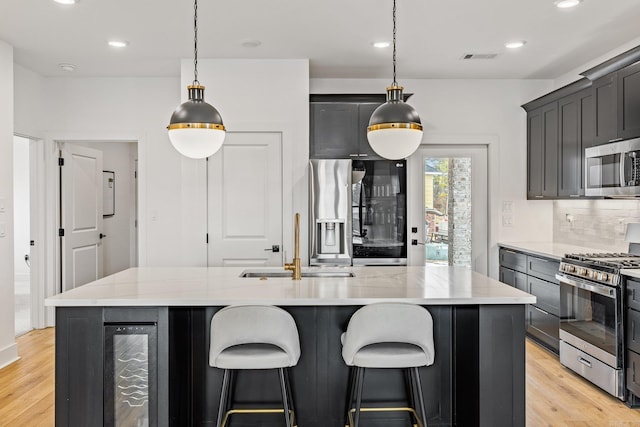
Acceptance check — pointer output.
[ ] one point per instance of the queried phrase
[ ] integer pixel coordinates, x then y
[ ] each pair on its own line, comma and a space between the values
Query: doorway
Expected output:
22, 234
98, 189
455, 205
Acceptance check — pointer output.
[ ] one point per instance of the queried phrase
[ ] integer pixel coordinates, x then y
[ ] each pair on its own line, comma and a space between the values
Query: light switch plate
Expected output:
507, 207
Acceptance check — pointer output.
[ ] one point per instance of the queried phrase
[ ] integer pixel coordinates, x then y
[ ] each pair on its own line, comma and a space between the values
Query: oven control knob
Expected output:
572, 268
583, 272
605, 277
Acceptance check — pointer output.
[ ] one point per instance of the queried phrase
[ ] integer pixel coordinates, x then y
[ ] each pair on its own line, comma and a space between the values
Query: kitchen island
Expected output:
477, 378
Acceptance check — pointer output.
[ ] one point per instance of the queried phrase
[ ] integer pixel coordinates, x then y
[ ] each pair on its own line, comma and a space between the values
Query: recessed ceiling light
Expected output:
70, 68
118, 43
66, 1
515, 44
566, 4
251, 43
381, 45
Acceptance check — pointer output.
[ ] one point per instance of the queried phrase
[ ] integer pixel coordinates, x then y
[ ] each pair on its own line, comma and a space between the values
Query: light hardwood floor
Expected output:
555, 396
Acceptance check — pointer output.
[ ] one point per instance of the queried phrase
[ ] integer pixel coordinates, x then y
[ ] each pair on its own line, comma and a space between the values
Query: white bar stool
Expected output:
254, 337
388, 335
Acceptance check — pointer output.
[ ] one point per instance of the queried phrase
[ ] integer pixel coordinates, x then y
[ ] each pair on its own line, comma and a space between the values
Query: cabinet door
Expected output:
542, 159
633, 330
365, 151
547, 295
569, 183
587, 129
633, 295
513, 260
629, 101
334, 127
544, 327
535, 153
604, 92
543, 268
514, 278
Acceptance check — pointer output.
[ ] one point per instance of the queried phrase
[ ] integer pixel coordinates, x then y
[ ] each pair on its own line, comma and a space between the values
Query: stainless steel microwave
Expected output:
613, 170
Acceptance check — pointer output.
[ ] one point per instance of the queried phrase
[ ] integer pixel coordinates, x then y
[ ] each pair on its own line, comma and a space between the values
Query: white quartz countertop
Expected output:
215, 286
635, 273
549, 249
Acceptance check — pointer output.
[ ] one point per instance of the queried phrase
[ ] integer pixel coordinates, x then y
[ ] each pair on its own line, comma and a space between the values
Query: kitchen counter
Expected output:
215, 286
549, 249
477, 379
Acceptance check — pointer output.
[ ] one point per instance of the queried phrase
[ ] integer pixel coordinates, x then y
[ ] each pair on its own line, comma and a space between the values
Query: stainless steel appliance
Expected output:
330, 212
379, 207
591, 316
130, 375
613, 170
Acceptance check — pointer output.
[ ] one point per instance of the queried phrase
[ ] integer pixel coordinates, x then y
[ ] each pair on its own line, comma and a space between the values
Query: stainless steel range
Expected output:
591, 314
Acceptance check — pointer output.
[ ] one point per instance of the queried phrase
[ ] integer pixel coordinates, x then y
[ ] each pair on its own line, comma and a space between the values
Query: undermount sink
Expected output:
308, 273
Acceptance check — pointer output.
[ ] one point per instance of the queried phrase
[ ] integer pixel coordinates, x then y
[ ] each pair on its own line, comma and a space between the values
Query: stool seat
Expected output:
388, 335
252, 356
390, 355
249, 337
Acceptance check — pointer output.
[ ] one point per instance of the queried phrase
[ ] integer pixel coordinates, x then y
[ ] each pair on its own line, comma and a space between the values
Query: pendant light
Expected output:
394, 131
196, 129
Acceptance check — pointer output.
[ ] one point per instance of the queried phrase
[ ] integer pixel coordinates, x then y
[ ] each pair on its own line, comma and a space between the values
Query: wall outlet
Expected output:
507, 220
3, 229
507, 206
3, 205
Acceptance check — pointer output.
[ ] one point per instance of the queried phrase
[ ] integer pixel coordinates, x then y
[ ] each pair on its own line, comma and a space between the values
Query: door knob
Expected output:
274, 248
102, 235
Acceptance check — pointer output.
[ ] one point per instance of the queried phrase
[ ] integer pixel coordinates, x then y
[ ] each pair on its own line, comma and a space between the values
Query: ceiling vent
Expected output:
479, 55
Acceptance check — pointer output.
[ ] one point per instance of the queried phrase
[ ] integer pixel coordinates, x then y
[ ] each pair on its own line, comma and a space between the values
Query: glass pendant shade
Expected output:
394, 130
196, 129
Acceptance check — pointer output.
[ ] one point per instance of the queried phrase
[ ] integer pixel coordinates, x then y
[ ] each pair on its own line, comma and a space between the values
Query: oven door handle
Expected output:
596, 288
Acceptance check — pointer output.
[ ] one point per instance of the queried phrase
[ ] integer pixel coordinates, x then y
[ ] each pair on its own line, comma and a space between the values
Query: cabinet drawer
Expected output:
633, 294
633, 372
633, 330
514, 278
548, 295
514, 260
542, 268
543, 326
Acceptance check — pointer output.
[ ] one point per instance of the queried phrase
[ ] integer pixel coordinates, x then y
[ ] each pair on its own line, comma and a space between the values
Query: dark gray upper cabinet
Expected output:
339, 130
542, 152
629, 101
604, 92
576, 128
334, 130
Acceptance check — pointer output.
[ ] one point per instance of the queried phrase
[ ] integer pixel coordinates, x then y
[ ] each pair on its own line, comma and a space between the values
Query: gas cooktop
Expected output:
599, 267
609, 260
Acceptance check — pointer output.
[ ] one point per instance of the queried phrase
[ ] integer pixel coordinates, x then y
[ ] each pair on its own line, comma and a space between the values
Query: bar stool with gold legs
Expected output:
254, 337
388, 335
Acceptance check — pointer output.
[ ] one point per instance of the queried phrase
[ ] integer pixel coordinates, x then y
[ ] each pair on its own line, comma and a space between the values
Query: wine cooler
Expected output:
130, 386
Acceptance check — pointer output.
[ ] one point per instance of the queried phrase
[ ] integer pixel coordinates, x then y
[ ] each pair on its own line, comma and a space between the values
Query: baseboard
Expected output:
8, 355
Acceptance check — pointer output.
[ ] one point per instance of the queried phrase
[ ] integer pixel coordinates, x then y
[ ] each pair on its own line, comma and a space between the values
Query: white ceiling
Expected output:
335, 35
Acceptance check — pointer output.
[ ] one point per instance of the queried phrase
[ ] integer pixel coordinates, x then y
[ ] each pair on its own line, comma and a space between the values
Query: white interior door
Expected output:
81, 216
456, 218
245, 200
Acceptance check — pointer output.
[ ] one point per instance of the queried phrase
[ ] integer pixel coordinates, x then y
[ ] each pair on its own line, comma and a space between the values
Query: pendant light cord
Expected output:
195, 42
395, 83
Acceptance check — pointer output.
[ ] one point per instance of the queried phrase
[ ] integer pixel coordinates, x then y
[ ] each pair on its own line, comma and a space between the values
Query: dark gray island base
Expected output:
478, 378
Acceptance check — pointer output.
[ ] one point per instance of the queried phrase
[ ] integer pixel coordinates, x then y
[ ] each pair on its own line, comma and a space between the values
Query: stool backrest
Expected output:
389, 323
254, 324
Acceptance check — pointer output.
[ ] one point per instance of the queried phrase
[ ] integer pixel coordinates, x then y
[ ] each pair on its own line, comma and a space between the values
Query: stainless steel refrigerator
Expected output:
379, 212
330, 211
358, 212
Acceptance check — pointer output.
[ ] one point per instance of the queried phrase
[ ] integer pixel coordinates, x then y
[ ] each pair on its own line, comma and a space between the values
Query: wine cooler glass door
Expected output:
130, 375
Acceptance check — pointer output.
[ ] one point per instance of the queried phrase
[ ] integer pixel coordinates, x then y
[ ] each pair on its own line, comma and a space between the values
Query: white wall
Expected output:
129, 109
21, 213
266, 95
8, 348
30, 107
477, 111
116, 247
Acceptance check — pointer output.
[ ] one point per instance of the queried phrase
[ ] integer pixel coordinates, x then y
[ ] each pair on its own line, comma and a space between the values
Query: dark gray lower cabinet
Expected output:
537, 278
478, 378
632, 341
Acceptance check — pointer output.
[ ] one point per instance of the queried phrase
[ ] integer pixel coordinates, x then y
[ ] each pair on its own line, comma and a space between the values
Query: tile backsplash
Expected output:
599, 224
